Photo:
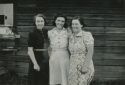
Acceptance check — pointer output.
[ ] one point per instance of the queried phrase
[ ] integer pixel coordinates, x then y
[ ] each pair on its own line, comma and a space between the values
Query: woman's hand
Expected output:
49, 51
82, 69
32, 57
36, 67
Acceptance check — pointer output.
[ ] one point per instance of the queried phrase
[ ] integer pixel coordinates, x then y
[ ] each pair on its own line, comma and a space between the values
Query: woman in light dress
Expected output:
59, 56
81, 44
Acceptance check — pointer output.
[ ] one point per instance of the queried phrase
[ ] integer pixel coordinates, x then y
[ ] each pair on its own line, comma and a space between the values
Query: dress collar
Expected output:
79, 34
60, 30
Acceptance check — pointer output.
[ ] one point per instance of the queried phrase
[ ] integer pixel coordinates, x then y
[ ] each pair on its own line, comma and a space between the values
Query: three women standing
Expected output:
80, 43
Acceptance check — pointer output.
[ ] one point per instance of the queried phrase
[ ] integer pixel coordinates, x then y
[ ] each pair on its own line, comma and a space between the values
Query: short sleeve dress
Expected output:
36, 40
59, 58
77, 47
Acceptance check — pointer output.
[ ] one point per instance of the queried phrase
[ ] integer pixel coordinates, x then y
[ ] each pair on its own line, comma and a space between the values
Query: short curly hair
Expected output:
80, 19
60, 15
39, 15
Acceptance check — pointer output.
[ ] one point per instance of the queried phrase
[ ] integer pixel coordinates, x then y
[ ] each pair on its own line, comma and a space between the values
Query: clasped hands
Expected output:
83, 69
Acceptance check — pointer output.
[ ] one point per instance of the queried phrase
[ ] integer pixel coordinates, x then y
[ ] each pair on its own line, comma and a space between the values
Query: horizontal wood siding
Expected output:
107, 25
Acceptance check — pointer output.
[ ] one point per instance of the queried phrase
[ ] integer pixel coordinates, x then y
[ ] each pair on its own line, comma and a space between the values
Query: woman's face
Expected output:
39, 22
60, 21
76, 26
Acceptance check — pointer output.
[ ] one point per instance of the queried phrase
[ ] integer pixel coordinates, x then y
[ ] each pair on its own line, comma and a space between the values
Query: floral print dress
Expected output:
77, 47
59, 58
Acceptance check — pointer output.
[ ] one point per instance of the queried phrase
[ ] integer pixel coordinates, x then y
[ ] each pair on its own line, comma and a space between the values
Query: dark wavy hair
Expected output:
60, 15
80, 19
39, 15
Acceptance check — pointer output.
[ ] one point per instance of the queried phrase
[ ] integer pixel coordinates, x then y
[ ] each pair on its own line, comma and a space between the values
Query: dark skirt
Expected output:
39, 77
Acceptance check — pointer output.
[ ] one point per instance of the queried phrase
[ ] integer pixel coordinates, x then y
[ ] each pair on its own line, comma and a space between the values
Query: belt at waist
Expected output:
40, 49
77, 53
54, 49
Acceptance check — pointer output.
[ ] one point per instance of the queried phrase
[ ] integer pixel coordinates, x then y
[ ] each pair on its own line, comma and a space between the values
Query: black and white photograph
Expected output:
62, 42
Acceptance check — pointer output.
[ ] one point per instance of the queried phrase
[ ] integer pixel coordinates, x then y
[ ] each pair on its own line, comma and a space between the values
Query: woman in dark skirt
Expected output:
39, 68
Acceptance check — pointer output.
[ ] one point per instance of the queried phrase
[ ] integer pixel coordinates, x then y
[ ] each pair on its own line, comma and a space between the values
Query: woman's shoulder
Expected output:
31, 33
87, 33
45, 31
88, 36
51, 30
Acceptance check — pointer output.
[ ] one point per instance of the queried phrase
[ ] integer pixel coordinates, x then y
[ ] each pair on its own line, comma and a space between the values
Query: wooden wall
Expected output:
105, 20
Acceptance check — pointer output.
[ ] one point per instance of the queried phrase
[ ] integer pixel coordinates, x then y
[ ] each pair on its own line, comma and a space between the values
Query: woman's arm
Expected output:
90, 50
89, 43
49, 48
32, 57
49, 51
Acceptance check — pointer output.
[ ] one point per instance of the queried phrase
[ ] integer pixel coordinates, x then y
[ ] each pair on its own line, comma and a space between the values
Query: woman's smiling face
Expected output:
60, 21
76, 26
40, 22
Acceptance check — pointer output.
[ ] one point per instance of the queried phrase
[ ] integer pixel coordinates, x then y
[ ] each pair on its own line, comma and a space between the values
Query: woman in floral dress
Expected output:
59, 56
81, 46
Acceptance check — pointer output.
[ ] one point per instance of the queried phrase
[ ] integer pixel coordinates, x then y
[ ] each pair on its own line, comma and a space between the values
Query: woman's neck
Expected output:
39, 30
59, 28
75, 33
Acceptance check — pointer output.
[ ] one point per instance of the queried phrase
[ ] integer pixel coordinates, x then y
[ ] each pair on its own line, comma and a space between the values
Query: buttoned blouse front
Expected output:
58, 39
78, 49
78, 46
